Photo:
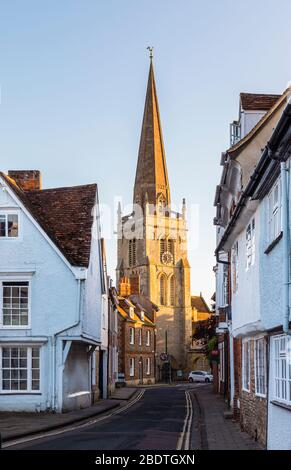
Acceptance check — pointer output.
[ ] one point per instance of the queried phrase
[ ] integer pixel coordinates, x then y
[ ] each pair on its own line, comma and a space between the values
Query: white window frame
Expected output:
148, 366
15, 279
274, 212
140, 337
221, 362
246, 380
148, 338
225, 284
29, 369
260, 366
131, 312
235, 267
250, 244
131, 366
7, 212
281, 363
131, 335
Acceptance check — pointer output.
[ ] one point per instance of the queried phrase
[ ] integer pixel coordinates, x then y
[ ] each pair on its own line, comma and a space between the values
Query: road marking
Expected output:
74, 427
184, 439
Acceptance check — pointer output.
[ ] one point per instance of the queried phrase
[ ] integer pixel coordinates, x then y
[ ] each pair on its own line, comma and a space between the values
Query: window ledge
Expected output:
281, 404
273, 243
19, 392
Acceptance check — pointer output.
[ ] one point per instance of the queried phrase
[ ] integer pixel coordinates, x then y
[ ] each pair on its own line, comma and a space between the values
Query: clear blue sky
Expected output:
73, 77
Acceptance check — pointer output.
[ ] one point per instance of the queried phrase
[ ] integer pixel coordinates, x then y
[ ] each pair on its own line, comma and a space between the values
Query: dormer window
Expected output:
235, 132
142, 316
131, 312
9, 225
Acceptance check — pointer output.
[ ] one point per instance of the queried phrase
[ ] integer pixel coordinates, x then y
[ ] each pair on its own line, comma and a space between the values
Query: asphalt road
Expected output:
155, 422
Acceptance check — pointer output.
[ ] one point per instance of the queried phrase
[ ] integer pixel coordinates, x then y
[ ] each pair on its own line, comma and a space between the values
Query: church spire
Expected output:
151, 173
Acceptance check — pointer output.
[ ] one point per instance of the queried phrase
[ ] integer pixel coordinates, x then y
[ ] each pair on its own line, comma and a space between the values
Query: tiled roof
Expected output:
139, 303
65, 214
257, 102
198, 302
235, 149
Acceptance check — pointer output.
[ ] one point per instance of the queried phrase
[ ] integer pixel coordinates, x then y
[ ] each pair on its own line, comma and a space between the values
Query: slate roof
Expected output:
257, 102
124, 303
65, 214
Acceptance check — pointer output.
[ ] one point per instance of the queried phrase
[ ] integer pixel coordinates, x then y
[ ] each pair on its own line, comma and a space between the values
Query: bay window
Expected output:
20, 369
260, 367
246, 354
282, 369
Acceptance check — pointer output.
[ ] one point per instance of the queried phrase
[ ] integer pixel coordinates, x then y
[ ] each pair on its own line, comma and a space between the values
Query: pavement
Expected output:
16, 425
210, 429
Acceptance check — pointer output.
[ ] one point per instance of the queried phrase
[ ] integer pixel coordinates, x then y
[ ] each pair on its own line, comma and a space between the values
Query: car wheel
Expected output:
191, 380
207, 380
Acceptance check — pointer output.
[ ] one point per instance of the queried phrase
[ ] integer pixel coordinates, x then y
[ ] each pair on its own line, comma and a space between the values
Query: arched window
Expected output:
132, 252
172, 290
163, 290
162, 248
171, 247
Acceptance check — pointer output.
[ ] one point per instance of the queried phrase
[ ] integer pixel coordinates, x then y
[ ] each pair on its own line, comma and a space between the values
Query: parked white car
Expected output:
200, 376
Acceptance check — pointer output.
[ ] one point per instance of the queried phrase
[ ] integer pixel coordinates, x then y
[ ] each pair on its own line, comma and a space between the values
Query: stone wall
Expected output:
253, 408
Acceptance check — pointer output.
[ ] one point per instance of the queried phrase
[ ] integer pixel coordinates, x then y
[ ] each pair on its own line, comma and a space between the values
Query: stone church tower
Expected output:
152, 242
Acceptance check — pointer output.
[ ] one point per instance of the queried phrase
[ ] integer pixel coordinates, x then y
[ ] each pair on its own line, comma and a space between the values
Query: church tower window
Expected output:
172, 290
162, 248
163, 290
171, 247
132, 252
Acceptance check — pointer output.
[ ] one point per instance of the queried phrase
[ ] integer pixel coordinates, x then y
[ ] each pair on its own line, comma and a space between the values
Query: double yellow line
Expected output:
184, 439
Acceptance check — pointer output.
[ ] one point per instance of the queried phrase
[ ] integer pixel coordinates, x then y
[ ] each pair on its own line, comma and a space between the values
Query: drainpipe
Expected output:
286, 254
54, 343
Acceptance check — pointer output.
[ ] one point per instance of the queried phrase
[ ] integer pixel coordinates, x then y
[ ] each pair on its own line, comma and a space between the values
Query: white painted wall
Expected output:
246, 300
249, 119
54, 307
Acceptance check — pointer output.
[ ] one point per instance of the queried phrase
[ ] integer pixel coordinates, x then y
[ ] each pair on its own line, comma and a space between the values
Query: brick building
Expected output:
136, 337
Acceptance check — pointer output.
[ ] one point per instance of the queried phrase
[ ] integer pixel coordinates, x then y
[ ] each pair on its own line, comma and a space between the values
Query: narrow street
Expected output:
156, 421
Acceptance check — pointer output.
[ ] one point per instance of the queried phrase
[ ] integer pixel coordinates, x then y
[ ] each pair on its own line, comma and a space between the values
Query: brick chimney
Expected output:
26, 179
124, 287
135, 284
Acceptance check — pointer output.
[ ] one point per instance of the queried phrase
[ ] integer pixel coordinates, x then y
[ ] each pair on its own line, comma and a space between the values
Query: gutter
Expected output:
275, 155
54, 341
286, 247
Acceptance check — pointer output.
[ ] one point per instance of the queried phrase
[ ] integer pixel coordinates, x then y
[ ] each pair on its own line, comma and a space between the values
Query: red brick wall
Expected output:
139, 353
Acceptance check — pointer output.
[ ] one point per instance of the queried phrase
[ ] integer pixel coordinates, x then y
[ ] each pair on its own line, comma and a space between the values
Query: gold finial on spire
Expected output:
151, 50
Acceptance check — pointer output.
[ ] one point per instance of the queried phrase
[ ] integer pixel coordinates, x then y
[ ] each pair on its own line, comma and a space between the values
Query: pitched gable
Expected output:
65, 215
